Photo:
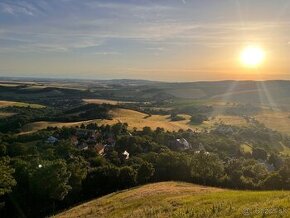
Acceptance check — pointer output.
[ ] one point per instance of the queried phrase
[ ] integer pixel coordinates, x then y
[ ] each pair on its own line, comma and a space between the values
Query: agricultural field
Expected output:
133, 118
138, 120
35, 126
175, 199
19, 104
276, 120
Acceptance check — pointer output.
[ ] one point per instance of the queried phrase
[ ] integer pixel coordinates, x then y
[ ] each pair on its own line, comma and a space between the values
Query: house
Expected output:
99, 148
126, 155
180, 144
74, 140
83, 146
202, 152
51, 140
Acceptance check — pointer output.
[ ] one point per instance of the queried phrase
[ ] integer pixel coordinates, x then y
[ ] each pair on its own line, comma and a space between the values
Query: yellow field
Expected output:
104, 101
19, 104
228, 120
32, 127
279, 121
139, 120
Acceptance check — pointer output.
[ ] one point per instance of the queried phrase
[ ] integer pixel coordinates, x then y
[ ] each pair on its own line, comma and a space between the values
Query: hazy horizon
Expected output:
176, 40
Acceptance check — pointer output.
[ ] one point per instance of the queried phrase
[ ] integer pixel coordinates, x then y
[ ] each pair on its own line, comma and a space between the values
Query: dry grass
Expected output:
35, 126
140, 120
173, 199
279, 121
104, 206
19, 104
228, 120
6, 103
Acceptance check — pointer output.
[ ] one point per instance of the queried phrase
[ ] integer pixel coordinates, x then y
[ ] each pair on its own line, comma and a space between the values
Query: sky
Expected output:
166, 40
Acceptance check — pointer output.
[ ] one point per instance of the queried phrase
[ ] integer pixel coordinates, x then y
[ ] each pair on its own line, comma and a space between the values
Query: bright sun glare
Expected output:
252, 56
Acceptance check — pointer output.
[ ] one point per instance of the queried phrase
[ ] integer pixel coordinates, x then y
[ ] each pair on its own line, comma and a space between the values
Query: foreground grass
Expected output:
173, 199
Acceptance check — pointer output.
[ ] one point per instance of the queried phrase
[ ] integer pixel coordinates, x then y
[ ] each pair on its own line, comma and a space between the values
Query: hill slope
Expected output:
174, 199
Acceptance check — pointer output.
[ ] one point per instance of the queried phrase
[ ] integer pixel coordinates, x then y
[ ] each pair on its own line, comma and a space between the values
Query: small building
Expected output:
83, 146
202, 152
126, 155
180, 144
74, 140
100, 148
51, 140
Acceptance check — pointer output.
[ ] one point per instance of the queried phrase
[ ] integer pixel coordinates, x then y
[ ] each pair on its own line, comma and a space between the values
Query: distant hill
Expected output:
176, 199
274, 93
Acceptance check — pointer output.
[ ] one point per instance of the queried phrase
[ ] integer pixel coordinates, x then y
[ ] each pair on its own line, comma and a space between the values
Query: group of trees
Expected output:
38, 178
24, 115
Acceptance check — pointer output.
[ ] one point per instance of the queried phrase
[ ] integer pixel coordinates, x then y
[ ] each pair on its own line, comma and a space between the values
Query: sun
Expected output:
252, 56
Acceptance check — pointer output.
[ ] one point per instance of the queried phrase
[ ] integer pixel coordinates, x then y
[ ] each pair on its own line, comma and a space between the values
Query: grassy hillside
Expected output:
19, 104
139, 120
173, 199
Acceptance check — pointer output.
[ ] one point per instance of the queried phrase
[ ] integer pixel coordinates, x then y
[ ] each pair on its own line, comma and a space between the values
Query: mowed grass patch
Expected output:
174, 199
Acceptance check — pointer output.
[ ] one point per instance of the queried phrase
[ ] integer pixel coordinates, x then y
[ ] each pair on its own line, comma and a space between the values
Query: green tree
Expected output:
145, 172
127, 177
51, 180
259, 153
7, 181
206, 168
78, 168
198, 119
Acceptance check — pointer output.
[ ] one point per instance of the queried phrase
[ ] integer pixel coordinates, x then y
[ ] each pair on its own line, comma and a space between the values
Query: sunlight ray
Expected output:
226, 97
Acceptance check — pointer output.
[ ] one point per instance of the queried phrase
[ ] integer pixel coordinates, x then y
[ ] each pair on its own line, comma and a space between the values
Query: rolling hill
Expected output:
176, 199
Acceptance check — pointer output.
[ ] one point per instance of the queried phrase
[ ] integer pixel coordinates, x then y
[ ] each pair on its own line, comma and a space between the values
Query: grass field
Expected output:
35, 126
139, 120
276, 120
175, 199
19, 104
